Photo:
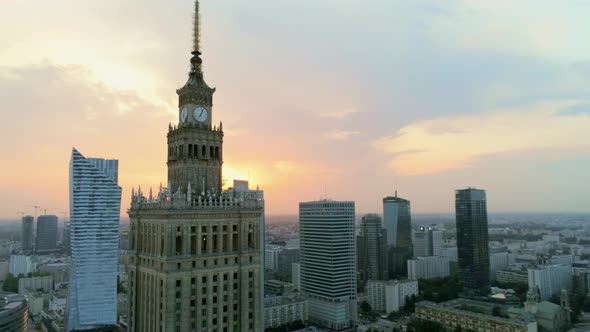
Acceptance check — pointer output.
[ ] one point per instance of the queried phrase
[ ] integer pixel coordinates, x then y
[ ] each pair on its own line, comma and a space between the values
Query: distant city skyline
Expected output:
359, 98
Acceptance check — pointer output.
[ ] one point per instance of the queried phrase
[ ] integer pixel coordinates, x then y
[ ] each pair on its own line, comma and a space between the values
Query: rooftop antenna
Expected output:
325, 191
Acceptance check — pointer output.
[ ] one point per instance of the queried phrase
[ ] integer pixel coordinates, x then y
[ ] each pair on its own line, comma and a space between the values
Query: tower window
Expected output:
211, 153
203, 152
190, 150
196, 151
217, 152
178, 245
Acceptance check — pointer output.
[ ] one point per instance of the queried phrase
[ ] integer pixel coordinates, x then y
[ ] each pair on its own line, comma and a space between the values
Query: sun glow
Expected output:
231, 173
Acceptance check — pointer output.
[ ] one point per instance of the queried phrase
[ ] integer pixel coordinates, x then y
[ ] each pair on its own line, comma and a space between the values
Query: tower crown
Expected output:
195, 146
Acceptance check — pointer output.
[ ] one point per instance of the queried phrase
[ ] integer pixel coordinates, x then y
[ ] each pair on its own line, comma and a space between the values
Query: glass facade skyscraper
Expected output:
397, 222
472, 241
371, 251
95, 204
46, 233
27, 233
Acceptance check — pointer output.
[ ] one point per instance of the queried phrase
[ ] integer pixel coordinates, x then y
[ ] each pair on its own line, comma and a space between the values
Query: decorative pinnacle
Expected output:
196, 30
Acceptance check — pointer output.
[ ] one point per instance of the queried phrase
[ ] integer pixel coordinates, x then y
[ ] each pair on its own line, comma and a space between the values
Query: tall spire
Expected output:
196, 29
196, 73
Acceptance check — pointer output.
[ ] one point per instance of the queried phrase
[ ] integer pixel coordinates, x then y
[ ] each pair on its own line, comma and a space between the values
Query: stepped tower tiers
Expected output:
195, 152
195, 258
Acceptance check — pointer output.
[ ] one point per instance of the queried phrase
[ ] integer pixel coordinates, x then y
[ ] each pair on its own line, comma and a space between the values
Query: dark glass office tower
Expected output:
472, 241
371, 250
46, 234
397, 222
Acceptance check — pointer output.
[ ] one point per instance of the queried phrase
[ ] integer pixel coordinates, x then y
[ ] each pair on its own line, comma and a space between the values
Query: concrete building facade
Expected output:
21, 264
328, 262
550, 279
428, 267
296, 276
390, 295
427, 240
44, 283
283, 310
512, 276
271, 257
455, 314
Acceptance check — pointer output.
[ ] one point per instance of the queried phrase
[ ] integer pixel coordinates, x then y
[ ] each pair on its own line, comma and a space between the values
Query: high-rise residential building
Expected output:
397, 222
428, 267
472, 241
551, 279
271, 257
427, 241
390, 295
328, 262
21, 264
371, 250
95, 207
46, 234
27, 234
196, 256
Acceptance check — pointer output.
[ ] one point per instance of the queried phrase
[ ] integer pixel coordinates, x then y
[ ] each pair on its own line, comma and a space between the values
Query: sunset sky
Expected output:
348, 98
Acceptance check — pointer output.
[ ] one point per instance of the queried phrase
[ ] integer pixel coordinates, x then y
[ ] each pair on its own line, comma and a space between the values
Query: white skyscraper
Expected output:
328, 262
271, 257
95, 205
427, 241
551, 279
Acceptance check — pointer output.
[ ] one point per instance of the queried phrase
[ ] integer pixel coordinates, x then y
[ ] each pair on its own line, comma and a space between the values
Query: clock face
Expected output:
200, 114
184, 114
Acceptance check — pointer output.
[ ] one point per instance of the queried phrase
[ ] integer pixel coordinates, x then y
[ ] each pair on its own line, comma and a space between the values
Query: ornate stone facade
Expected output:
195, 256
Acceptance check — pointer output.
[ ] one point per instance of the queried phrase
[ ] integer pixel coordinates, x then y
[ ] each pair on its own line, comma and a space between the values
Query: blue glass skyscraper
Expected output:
95, 203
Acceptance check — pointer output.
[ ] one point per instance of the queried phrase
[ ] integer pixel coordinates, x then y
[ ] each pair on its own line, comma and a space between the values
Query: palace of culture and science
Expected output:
196, 251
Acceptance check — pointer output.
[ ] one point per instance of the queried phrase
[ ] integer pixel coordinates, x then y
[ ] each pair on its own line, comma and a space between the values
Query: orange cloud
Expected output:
434, 146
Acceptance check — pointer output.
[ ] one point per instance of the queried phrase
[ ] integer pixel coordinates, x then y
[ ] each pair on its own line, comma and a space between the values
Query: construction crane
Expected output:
36, 207
45, 210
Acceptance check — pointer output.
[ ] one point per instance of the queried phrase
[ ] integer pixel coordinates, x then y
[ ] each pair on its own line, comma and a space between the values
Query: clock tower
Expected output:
195, 145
